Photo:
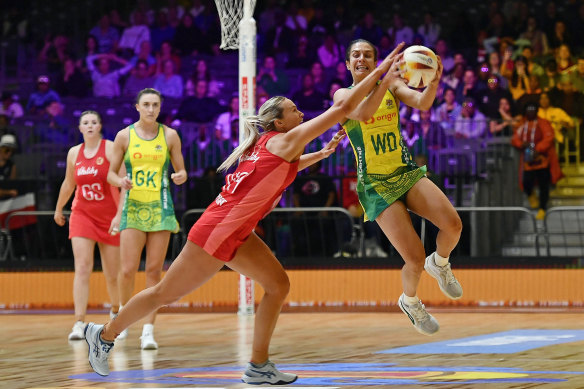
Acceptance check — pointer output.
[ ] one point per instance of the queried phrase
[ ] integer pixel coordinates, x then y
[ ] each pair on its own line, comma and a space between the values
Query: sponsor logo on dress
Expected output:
87, 171
99, 161
254, 156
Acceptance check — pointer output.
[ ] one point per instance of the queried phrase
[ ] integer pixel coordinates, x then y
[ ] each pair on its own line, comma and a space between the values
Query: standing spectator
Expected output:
224, 121
72, 82
134, 35
308, 97
167, 82
470, 123
9, 107
106, 35
138, 79
199, 108
44, 95
272, 80
534, 137
430, 30
106, 83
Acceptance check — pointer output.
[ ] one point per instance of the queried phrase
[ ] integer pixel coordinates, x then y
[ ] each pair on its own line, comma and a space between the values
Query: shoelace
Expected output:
105, 348
447, 273
418, 310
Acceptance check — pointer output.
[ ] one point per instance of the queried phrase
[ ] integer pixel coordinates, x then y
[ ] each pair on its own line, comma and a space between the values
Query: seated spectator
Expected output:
369, 29
576, 74
494, 62
551, 76
490, 97
167, 82
302, 56
162, 31
533, 68
400, 31
441, 50
564, 95
224, 121
564, 58
138, 79
469, 87
167, 51
106, 83
561, 122
454, 78
330, 52
470, 123
560, 36
519, 82
536, 36
106, 35
7, 167
308, 97
145, 54
271, 79
430, 30
187, 37
54, 126
202, 73
199, 108
91, 48
432, 133
321, 81
342, 74
39, 100
72, 82
448, 111
134, 35
9, 107
503, 122
278, 38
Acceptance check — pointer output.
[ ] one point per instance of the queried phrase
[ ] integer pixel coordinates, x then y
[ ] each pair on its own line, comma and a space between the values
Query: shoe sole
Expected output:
281, 382
89, 352
437, 278
420, 330
150, 347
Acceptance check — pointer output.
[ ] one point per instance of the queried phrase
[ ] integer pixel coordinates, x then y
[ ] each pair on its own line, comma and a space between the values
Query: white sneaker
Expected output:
423, 322
124, 334
78, 331
267, 374
147, 341
98, 349
448, 284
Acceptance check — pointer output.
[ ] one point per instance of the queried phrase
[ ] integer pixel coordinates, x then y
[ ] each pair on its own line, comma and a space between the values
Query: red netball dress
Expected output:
96, 201
249, 194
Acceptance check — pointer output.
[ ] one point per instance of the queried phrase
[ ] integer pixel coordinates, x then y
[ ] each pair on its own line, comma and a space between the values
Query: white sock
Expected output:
410, 300
440, 261
148, 329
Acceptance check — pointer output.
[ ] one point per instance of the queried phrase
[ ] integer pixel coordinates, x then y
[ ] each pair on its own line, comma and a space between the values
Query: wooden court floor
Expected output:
326, 349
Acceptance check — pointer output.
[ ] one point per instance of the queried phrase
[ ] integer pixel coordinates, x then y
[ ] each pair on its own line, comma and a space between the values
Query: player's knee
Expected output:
278, 286
153, 274
453, 224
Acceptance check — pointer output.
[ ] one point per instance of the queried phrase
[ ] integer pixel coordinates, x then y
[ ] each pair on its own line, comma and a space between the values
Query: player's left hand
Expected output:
179, 177
331, 146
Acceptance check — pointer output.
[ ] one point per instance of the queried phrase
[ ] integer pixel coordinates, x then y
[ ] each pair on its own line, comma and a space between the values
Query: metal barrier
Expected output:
564, 231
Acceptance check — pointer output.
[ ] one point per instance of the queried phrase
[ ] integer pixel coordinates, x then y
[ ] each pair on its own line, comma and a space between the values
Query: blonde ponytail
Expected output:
269, 111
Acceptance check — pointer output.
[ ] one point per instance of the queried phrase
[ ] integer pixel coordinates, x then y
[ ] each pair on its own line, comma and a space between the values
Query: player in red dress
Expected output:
268, 162
93, 209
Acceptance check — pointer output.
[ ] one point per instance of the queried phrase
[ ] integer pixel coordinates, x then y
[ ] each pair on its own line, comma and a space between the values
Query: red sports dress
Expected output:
249, 194
96, 201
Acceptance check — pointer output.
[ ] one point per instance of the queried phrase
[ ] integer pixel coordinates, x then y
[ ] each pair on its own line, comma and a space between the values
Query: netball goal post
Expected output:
238, 31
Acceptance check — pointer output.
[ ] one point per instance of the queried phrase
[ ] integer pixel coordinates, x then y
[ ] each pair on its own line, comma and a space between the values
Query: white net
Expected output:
230, 14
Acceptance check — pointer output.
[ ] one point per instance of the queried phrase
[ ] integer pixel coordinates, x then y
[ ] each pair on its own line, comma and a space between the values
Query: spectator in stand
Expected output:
431, 131
560, 36
167, 51
278, 38
536, 36
106, 83
202, 73
8, 171
494, 62
54, 53
469, 87
454, 78
533, 67
368, 29
143, 6
430, 30
470, 123
534, 137
343, 74
318, 75
308, 98
294, 20
400, 31
576, 74
551, 76
199, 108
54, 126
564, 95
301, 57
72, 82
225, 120
503, 122
107, 37
329, 53
272, 80
162, 31
145, 54
447, 59
91, 48
117, 22
9, 107
187, 37
561, 122
134, 35
44, 95
489, 98
138, 79
519, 82
167, 82
448, 111
564, 58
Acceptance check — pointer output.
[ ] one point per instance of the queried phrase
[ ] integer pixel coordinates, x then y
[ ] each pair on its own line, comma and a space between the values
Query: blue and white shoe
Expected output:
266, 374
98, 349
